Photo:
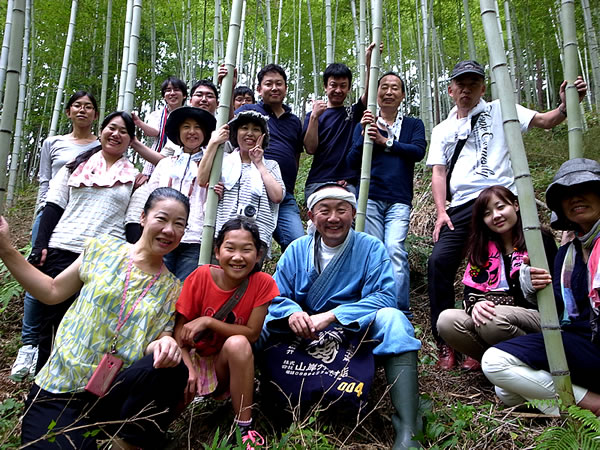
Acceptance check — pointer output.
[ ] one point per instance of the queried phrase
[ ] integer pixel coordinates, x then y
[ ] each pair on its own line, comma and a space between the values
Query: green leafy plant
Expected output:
10, 287
580, 431
10, 409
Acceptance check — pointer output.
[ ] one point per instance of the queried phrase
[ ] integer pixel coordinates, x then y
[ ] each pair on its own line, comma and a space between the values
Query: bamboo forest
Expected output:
159, 83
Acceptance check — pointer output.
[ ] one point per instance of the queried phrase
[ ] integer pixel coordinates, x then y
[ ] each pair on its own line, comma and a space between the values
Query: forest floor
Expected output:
462, 410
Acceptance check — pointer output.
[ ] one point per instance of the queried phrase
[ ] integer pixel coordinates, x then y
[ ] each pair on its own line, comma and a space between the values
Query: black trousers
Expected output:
448, 252
57, 260
141, 402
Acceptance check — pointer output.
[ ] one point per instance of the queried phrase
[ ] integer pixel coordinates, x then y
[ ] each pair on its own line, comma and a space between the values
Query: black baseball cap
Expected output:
468, 66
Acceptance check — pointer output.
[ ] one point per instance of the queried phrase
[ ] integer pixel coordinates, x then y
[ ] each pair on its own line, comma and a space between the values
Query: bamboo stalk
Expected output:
328, 34
13, 66
152, 56
63, 71
105, 60
362, 63
136, 18
470, 37
240, 50
268, 37
210, 210
365, 171
529, 216
594, 50
125, 56
315, 72
575, 124
278, 31
216, 37
5, 44
14, 158
511, 47
427, 104
400, 58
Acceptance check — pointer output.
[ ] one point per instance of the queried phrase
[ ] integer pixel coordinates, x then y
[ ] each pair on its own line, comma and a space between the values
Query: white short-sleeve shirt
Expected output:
484, 160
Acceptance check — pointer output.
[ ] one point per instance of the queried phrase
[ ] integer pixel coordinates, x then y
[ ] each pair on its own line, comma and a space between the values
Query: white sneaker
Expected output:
22, 365
33, 363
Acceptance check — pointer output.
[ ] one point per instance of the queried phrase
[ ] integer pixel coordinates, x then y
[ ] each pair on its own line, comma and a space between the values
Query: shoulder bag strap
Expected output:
459, 146
227, 307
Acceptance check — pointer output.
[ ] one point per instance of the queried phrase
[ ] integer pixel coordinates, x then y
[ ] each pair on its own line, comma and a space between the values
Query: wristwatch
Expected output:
389, 143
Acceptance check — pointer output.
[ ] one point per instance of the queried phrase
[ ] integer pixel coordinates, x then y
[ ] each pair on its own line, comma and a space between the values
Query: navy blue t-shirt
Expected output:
285, 140
392, 171
335, 138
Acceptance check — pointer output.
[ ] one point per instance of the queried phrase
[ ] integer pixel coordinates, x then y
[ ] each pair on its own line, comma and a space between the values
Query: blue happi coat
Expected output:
357, 286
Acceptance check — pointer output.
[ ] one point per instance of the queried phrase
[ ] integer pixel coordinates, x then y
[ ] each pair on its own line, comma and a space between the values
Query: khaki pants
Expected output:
458, 330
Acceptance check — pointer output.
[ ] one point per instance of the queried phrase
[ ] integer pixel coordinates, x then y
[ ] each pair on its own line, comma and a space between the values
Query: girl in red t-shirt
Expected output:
218, 353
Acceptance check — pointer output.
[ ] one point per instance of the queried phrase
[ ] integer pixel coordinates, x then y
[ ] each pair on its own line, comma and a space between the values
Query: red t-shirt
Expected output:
201, 296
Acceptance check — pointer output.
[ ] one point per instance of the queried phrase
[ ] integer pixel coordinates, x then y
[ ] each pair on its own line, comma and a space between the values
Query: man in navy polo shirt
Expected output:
285, 146
328, 129
398, 143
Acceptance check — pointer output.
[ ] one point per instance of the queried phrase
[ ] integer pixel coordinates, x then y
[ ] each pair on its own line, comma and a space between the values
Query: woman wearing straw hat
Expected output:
519, 367
190, 128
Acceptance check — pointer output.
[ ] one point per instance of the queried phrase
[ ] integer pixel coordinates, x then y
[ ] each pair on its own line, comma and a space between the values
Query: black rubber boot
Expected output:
401, 374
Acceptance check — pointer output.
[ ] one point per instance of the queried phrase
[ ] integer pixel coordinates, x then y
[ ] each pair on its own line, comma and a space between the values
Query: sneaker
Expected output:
34, 363
251, 438
26, 359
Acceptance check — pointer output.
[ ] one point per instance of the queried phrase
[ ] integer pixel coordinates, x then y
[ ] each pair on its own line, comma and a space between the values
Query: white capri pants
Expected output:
516, 382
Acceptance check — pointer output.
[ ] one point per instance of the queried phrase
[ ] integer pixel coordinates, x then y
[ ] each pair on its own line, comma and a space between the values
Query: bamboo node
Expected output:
550, 327
524, 175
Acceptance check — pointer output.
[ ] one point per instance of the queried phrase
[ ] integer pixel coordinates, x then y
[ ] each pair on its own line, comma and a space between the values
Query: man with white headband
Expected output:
351, 282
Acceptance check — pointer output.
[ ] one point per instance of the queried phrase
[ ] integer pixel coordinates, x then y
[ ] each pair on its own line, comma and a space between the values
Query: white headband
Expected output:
336, 193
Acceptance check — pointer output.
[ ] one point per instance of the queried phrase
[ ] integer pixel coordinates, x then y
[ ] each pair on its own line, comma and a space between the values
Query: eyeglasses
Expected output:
86, 106
173, 89
206, 95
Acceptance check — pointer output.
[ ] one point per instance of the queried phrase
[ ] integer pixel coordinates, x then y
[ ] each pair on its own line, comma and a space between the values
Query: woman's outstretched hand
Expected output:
5, 241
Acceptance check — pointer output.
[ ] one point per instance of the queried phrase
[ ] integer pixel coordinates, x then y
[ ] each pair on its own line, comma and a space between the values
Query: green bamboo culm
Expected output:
132, 56
365, 171
210, 210
62, 80
571, 65
531, 225
9, 110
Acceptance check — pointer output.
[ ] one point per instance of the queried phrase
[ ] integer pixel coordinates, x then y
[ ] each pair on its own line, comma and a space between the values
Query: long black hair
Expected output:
83, 157
481, 235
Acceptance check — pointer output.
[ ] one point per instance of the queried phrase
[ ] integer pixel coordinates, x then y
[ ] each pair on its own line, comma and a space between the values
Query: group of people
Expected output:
130, 329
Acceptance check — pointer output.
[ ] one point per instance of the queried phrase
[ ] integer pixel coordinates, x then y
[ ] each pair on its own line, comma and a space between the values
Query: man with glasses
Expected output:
204, 94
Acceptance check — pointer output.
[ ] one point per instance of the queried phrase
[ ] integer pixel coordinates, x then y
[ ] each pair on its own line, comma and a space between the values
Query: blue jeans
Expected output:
388, 222
289, 224
32, 308
183, 260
